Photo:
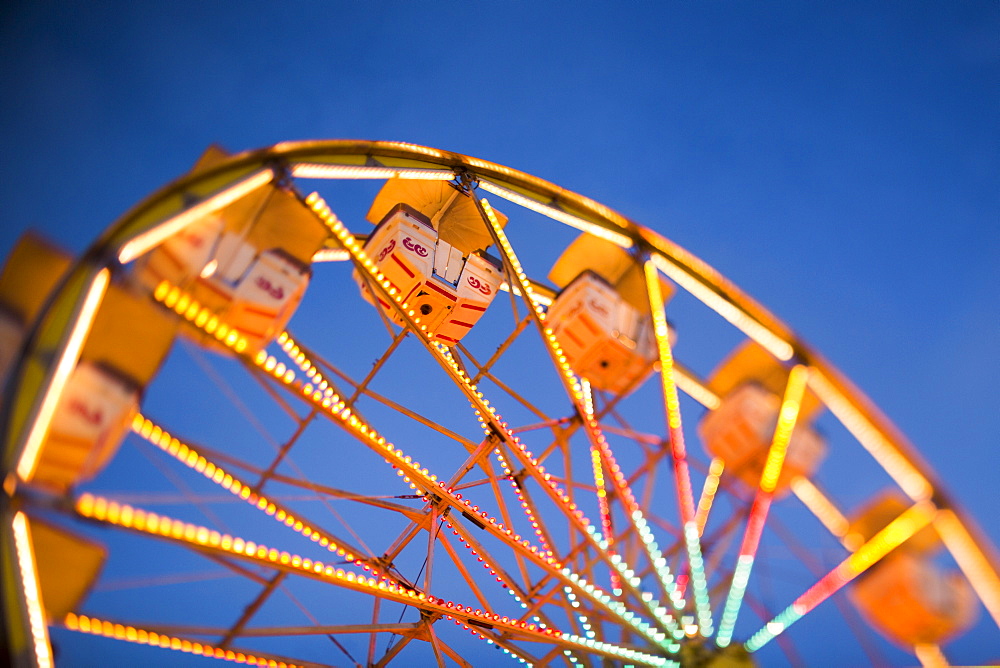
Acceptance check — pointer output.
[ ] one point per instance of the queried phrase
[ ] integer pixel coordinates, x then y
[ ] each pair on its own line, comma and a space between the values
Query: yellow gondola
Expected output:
130, 337
248, 263
31, 272
907, 596
601, 318
750, 383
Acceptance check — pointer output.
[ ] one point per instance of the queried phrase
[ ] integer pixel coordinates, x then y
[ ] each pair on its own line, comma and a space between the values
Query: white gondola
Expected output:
433, 256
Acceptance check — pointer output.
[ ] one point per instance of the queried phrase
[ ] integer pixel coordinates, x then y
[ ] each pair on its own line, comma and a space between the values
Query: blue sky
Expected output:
839, 162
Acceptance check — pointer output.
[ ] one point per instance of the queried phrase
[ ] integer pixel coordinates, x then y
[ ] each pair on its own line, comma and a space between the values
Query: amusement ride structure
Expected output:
497, 423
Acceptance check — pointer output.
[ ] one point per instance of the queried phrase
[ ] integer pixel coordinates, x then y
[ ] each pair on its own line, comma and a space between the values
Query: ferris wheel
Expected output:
368, 403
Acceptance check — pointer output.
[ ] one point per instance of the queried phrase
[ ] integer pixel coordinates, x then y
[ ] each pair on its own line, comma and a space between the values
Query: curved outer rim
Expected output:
403, 156
327, 151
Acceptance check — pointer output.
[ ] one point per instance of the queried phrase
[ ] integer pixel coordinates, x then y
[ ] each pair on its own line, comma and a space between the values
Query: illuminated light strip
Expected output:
582, 618
67, 360
597, 440
930, 656
881, 448
619, 652
523, 284
186, 306
635, 515
787, 417
106, 629
729, 311
317, 387
820, 506
505, 171
538, 298
136, 519
525, 506
588, 396
523, 501
699, 581
412, 148
979, 569
32, 593
153, 237
589, 645
696, 390
685, 496
184, 453
708, 493
331, 255
682, 475
465, 538
299, 358
795, 391
487, 416
616, 238
277, 369
605, 510
310, 170
515, 653
892, 536
602, 493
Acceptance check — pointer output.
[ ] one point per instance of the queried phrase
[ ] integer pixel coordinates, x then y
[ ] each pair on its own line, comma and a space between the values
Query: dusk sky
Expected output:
839, 162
